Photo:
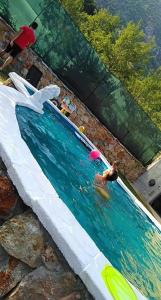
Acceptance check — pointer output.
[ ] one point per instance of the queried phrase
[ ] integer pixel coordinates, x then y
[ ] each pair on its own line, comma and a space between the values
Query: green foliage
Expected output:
147, 92
74, 8
100, 30
130, 52
125, 51
146, 11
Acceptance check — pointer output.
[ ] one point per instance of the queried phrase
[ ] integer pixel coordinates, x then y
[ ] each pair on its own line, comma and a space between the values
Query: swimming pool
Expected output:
120, 229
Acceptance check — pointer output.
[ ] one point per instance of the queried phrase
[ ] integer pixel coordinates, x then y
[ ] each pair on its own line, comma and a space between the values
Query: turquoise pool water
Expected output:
120, 229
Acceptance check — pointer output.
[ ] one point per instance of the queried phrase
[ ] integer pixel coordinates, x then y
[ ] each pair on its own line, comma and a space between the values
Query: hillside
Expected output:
146, 11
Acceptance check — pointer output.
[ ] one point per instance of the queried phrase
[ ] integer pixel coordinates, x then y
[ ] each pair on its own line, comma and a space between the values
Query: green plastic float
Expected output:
117, 284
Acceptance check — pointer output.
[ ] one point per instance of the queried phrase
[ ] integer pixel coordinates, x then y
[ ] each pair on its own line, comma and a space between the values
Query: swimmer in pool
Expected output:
100, 181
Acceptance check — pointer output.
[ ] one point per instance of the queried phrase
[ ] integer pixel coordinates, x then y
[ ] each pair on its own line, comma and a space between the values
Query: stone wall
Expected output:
130, 167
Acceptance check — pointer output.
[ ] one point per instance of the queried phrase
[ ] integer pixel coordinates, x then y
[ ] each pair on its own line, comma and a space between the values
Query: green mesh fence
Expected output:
65, 50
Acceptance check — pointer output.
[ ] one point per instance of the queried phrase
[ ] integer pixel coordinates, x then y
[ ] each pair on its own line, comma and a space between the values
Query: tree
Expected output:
148, 11
130, 53
122, 49
125, 51
147, 92
74, 8
100, 30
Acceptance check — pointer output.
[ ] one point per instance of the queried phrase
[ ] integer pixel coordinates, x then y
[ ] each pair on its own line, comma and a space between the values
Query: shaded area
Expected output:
156, 204
64, 49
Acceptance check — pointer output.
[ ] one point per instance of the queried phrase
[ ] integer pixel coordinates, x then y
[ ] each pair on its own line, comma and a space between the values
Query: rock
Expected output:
120, 155
85, 119
6, 186
8, 197
51, 261
43, 285
11, 272
2, 168
22, 237
73, 296
20, 207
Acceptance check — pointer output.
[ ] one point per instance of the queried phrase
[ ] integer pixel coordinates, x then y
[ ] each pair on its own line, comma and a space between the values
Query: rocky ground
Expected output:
31, 266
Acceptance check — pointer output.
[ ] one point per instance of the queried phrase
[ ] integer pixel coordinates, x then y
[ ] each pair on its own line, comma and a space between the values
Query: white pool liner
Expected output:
36, 191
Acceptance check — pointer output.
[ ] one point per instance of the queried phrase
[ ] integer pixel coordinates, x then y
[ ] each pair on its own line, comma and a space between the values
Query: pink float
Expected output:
94, 154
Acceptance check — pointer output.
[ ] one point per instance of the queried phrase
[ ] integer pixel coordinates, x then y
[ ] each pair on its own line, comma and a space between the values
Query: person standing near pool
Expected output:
100, 181
23, 39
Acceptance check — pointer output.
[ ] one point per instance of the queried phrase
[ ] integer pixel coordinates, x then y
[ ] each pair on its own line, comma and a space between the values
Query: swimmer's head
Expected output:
112, 176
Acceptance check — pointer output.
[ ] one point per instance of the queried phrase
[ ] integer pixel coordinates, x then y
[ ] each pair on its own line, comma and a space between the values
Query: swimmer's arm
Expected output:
99, 180
99, 177
106, 172
109, 171
96, 179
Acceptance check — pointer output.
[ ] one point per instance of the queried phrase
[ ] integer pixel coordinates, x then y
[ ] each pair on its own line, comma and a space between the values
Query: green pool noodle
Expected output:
117, 284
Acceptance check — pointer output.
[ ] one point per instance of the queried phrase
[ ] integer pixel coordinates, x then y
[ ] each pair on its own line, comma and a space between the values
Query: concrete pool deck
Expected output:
78, 248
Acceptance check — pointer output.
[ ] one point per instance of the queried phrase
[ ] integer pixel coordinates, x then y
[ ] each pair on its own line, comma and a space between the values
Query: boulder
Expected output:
51, 260
8, 197
22, 238
11, 272
3, 170
72, 296
42, 284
